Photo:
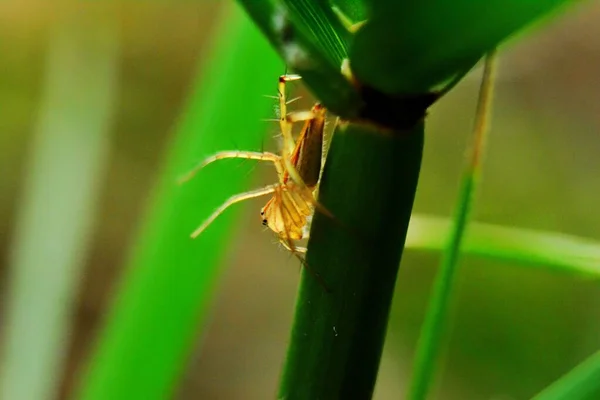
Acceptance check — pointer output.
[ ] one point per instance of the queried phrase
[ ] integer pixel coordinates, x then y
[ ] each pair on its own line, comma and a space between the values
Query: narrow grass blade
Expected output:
532, 248
368, 184
163, 299
429, 343
56, 212
581, 383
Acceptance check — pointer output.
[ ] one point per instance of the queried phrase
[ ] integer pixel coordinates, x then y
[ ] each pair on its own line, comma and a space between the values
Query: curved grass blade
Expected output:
532, 248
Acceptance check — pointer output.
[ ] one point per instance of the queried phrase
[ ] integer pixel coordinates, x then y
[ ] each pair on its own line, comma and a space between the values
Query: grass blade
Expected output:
56, 214
291, 32
536, 249
429, 343
427, 43
326, 29
581, 383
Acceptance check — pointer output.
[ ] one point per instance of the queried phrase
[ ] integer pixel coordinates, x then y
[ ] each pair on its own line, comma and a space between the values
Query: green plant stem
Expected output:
55, 219
429, 344
368, 183
581, 383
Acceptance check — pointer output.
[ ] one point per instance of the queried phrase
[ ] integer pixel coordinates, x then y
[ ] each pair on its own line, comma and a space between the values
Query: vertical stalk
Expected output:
368, 183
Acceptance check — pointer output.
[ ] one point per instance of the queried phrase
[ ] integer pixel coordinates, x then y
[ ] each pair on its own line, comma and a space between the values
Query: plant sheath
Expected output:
369, 184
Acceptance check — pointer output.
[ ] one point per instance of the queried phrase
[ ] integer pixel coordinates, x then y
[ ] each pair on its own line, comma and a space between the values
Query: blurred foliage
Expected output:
166, 291
55, 218
515, 329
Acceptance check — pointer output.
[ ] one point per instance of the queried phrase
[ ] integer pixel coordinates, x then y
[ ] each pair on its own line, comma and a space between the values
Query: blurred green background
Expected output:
515, 329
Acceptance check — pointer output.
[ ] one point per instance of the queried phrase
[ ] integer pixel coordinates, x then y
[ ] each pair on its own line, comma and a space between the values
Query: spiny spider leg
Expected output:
231, 201
247, 155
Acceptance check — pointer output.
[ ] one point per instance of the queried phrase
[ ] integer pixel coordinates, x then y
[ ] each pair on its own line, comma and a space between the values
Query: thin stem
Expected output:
430, 340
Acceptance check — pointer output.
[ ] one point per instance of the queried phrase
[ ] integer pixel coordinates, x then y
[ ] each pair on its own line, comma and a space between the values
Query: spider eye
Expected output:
262, 212
264, 222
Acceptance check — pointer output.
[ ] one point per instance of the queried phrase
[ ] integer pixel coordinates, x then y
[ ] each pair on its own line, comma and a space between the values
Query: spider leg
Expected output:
293, 156
231, 201
247, 155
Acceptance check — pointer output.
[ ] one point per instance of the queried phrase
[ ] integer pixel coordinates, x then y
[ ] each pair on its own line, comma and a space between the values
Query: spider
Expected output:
298, 168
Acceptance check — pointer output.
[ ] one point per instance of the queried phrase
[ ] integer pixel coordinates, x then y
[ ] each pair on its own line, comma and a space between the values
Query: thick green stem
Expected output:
369, 183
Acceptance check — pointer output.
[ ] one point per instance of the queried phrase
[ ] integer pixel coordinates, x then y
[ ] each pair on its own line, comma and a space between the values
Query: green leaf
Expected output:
307, 40
326, 30
355, 10
164, 296
414, 46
